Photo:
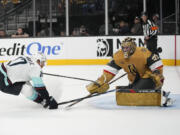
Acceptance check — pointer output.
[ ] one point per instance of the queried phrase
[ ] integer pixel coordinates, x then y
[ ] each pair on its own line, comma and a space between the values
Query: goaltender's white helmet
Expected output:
39, 56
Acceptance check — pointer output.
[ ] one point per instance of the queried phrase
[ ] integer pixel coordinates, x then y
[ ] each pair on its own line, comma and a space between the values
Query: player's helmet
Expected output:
128, 46
40, 56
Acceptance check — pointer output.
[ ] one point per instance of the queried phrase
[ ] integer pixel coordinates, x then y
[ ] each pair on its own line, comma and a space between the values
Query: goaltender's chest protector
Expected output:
135, 63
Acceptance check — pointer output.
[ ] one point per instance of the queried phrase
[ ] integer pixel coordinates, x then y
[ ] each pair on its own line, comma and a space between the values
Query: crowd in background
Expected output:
120, 27
19, 33
123, 20
5, 2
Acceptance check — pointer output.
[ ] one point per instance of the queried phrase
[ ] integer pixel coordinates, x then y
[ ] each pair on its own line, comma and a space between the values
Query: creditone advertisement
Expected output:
80, 50
10, 48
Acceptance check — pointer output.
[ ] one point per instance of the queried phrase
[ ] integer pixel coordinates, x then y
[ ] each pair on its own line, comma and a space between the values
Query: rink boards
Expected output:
83, 50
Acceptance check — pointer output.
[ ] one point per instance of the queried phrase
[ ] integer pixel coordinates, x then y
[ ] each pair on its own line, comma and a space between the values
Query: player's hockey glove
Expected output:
103, 84
50, 103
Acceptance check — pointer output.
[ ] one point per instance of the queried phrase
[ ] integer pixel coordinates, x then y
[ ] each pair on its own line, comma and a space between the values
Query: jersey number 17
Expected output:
17, 61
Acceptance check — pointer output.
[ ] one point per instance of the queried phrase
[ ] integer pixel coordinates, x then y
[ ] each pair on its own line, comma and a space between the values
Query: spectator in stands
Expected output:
113, 5
61, 6
102, 29
84, 7
4, 2
156, 21
83, 31
89, 7
115, 24
3, 34
123, 28
16, 2
20, 33
62, 33
110, 28
42, 7
75, 32
45, 31
99, 5
137, 28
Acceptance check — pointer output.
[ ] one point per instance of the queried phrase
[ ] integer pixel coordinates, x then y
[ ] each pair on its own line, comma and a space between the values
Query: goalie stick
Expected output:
97, 94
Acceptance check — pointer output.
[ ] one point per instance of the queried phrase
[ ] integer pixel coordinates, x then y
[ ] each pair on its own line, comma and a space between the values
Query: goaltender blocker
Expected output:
145, 72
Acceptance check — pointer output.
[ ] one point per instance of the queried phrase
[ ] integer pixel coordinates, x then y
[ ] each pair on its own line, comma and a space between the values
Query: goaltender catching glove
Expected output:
102, 81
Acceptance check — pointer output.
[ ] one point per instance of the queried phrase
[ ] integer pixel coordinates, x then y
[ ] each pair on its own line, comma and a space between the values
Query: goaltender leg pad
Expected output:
132, 97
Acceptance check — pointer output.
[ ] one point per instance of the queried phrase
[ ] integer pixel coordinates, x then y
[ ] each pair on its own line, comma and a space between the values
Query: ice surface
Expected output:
95, 116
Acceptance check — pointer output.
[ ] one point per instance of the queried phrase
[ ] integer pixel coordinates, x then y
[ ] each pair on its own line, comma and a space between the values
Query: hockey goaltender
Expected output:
145, 75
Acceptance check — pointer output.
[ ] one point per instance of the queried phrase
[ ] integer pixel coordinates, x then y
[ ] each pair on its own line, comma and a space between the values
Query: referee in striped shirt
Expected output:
150, 31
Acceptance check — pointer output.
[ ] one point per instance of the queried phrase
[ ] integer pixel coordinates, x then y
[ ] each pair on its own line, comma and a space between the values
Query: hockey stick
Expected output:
70, 77
91, 95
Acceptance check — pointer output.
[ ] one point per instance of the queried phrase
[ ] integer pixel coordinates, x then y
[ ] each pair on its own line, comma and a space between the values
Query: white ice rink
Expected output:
95, 116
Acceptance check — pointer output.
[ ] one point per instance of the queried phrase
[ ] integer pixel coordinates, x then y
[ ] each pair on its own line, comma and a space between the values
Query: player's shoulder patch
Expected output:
153, 59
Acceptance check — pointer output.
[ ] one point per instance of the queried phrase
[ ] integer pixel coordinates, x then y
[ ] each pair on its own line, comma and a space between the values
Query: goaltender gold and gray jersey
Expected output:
142, 62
